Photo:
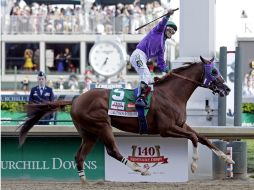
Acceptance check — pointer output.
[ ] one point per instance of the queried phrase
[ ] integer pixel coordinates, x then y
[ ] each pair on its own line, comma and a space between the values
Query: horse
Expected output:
166, 117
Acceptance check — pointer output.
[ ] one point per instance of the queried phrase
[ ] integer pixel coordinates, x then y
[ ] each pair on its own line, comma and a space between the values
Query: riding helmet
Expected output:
172, 25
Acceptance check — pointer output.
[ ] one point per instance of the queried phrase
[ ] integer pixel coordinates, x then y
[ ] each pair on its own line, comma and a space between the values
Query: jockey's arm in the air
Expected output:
160, 26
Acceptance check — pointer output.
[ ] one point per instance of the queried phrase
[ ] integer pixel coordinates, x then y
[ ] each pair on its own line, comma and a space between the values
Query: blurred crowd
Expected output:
41, 18
248, 86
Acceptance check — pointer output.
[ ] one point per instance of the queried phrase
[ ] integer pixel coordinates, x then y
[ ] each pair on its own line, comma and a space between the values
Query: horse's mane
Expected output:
186, 65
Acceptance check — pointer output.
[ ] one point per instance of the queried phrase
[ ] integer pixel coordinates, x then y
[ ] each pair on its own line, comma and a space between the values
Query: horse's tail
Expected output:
35, 112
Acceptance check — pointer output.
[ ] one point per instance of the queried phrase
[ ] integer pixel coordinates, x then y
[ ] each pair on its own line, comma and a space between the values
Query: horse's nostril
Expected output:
227, 89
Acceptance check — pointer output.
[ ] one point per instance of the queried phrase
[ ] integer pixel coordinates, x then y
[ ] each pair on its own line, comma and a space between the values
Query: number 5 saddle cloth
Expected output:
122, 102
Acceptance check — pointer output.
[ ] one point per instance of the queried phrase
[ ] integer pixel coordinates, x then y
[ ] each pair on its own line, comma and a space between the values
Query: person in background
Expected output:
60, 63
36, 59
28, 55
87, 81
69, 66
25, 83
73, 82
60, 83
41, 94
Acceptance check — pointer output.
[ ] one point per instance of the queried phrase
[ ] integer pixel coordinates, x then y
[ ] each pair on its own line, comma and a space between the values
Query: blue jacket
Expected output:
37, 97
153, 43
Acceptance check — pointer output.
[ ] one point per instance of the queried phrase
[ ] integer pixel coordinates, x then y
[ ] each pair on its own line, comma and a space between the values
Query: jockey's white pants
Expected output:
138, 60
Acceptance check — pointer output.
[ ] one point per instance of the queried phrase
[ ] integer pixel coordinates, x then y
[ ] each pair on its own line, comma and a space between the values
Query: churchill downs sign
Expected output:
48, 158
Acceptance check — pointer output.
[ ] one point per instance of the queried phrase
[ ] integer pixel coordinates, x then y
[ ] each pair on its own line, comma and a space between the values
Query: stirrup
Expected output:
141, 102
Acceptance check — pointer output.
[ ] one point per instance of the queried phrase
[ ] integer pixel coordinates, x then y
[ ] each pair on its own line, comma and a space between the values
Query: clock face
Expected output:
106, 58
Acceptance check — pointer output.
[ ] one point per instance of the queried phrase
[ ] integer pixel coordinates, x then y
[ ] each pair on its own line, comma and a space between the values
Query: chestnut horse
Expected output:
167, 114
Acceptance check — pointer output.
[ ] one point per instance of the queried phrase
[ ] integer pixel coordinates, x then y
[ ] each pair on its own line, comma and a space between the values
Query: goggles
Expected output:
170, 30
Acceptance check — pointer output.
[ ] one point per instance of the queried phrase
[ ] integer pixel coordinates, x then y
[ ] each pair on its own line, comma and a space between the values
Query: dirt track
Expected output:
191, 185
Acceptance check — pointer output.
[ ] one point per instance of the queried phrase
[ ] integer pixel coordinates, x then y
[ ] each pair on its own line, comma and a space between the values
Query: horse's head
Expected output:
212, 78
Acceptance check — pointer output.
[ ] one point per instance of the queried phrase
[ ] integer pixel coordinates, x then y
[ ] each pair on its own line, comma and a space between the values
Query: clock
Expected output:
107, 58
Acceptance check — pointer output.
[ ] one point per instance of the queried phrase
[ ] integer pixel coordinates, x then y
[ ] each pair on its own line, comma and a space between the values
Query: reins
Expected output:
186, 78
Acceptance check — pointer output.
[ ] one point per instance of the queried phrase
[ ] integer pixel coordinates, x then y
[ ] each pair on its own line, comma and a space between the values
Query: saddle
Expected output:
122, 104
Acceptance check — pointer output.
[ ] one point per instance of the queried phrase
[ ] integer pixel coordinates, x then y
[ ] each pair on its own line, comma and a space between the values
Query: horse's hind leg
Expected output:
88, 142
203, 140
112, 150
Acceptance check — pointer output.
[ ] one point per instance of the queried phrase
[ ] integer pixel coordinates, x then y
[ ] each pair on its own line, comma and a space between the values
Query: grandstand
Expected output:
47, 28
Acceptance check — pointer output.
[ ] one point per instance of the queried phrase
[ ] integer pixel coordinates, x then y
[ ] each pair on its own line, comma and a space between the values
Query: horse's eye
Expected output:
214, 72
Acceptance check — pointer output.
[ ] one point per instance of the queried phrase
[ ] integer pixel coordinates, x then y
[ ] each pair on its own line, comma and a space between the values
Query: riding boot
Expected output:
141, 100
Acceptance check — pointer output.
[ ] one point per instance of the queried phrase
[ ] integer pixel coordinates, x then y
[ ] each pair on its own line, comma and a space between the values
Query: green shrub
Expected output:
19, 107
250, 156
248, 107
13, 106
67, 109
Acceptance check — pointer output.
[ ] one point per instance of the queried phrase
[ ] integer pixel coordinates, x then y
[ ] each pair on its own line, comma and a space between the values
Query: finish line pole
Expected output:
222, 102
238, 88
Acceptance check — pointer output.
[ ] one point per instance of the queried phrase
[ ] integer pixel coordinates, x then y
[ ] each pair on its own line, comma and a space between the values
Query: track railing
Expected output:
212, 132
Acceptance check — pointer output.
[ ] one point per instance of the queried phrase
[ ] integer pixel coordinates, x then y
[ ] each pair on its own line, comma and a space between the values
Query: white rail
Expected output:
224, 132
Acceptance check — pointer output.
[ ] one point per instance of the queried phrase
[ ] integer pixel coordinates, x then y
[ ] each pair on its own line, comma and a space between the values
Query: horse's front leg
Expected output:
195, 158
180, 132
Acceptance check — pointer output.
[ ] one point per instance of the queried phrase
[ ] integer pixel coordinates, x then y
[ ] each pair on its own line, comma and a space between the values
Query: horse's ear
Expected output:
202, 59
212, 60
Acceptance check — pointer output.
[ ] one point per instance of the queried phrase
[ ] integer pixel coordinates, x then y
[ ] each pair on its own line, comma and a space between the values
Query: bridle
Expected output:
210, 78
205, 80
212, 85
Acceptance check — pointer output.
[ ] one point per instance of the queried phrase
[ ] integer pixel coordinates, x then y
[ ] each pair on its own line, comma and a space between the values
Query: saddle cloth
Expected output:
122, 102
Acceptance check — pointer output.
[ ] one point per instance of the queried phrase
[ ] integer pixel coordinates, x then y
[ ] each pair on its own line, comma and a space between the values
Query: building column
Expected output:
42, 57
3, 58
83, 60
197, 37
197, 29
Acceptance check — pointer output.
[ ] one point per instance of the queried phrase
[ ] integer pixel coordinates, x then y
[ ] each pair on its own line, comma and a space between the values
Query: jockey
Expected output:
152, 45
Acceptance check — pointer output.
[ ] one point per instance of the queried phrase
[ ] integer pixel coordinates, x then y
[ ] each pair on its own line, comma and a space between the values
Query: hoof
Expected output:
195, 158
83, 180
145, 173
100, 182
137, 168
227, 159
194, 167
230, 161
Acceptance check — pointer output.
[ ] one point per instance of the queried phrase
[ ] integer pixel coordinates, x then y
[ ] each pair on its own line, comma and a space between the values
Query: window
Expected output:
62, 58
23, 56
